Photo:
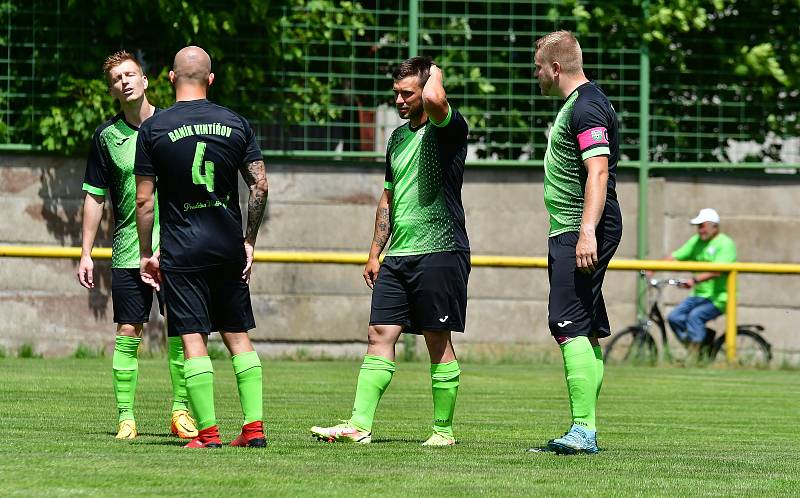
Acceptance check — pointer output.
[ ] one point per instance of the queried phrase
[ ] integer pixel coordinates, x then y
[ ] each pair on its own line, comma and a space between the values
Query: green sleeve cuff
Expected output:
388, 185
94, 190
446, 119
597, 151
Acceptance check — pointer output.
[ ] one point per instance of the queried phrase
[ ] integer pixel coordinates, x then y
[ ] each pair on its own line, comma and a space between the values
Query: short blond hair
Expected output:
118, 58
562, 47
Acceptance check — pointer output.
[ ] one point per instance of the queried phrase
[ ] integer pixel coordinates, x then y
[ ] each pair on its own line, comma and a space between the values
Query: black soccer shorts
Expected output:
422, 292
576, 306
208, 300
130, 297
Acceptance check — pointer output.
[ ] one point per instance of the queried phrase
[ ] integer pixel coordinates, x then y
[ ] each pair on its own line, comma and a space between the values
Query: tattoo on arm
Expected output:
383, 227
255, 175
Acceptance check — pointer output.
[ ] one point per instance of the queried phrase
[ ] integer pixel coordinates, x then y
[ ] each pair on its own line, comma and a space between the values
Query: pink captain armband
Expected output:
593, 136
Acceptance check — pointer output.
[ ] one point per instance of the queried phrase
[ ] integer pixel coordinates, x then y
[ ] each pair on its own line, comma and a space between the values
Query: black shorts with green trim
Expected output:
426, 292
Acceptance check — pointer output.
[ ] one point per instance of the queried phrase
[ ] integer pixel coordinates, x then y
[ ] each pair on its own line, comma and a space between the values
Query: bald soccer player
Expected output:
585, 226
194, 152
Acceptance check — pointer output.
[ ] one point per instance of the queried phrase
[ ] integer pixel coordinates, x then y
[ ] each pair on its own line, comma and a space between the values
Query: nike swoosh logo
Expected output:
123, 140
564, 323
444, 319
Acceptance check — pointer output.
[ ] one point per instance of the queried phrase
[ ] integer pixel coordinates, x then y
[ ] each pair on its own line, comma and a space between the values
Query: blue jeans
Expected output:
688, 319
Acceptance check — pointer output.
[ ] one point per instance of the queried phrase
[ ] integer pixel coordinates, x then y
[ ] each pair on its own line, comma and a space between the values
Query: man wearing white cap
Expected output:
709, 289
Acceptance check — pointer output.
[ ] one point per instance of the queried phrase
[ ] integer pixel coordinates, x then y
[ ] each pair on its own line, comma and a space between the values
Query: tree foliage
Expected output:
244, 37
721, 71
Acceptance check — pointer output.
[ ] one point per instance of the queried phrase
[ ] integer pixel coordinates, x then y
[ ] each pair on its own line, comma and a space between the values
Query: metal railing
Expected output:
355, 258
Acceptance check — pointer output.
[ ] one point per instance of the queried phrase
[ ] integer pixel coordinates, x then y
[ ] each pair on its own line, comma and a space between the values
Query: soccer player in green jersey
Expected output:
709, 289
585, 226
421, 287
109, 170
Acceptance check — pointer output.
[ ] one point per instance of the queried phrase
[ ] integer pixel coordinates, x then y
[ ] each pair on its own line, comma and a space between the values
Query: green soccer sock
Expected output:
580, 371
180, 399
373, 379
444, 384
125, 366
247, 367
599, 368
200, 385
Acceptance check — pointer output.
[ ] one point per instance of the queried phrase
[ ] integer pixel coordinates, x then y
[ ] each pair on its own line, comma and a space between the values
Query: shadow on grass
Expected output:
374, 442
539, 449
178, 443
397, 440
166, 438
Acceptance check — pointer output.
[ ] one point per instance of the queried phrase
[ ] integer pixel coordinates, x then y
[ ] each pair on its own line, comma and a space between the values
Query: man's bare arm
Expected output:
383, 231
255, 175
92, 214
145, 214
434, 98
383, 225
594, 202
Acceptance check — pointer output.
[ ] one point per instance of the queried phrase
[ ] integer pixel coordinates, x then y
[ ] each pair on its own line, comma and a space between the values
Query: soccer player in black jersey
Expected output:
580, 168
193, 153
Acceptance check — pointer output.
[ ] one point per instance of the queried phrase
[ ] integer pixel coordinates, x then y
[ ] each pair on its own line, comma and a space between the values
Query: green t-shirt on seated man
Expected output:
720, 249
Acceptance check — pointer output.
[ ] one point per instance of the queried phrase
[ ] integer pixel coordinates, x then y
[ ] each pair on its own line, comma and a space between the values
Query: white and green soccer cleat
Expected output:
342, 433
438, 439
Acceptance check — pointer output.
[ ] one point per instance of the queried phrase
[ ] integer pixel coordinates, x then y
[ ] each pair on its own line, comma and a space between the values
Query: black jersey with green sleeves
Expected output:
109, 169
195, 150
586, 126
425, 172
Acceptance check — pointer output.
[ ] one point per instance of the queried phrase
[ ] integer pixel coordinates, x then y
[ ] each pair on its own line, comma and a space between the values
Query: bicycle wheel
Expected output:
632, 346
752, 350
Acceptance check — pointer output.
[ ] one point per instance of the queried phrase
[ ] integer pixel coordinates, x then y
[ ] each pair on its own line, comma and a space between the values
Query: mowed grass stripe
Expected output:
664, 432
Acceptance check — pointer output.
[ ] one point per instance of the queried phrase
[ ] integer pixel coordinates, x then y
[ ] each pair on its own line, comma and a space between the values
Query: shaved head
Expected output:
192, 65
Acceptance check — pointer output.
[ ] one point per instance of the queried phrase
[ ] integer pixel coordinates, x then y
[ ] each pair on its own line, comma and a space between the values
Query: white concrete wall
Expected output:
319, 207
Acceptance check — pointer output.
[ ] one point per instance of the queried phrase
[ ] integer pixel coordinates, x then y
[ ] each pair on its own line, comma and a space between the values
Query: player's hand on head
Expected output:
150, 271
86, 272
371, 272
248, 264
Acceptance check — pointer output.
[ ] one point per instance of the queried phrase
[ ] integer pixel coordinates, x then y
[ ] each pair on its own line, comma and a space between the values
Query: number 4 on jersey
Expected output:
199, 176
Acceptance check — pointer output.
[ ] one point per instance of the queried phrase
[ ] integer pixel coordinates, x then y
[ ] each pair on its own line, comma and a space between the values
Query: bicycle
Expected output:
636, 344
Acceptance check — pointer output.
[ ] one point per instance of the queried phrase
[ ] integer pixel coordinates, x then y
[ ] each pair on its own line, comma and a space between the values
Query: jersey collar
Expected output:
578, 88
421, 125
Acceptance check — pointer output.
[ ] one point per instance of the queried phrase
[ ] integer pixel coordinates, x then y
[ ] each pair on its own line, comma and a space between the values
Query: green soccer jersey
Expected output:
424, 172
586, 126
110, 169
720, 249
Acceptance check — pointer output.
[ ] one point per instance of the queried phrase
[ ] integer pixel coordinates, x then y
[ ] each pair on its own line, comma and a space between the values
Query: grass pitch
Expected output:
663, 431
